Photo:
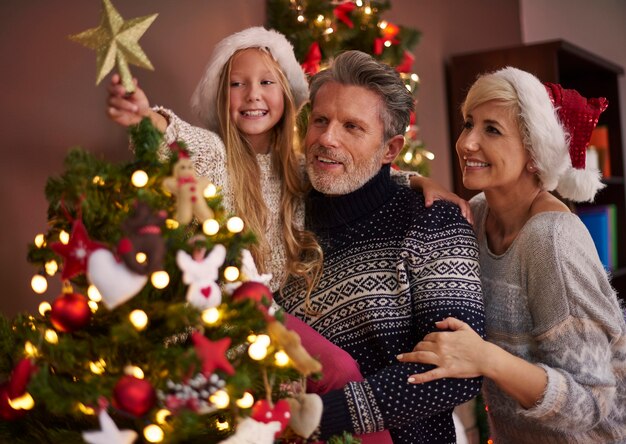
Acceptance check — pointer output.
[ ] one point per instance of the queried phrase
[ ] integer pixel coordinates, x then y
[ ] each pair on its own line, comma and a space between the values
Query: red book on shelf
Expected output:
600, 141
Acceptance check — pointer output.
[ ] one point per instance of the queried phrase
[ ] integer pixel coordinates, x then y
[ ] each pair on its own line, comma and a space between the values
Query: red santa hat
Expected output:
559, 122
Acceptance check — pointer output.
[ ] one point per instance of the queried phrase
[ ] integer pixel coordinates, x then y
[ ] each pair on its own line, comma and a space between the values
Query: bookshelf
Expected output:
573, 67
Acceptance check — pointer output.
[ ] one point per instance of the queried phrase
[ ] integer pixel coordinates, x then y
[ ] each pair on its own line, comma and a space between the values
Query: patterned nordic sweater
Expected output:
548, 301
208, 154
391, 269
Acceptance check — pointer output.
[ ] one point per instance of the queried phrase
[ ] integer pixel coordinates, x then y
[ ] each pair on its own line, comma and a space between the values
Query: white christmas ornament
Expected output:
116, 283
200, 275
306, 413
109, 433
249, 272
250, 431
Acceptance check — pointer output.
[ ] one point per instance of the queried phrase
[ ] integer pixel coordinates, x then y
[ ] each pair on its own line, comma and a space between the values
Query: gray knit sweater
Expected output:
548, 300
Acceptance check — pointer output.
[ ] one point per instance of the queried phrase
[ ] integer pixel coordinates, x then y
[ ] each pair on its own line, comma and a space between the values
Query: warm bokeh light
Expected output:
139, 319
220, 399
64, 237
51, 336
139, 178
263, 340
210, 315
153, 433
160, 279
222, 425
39, 284
235, 224
93, 306
40, 240
30, 350
210, 191
97, 367
133, 370
93, 294
257, 351
85, 409
211, 227
51, 267
172, 224
44, 308
281, 358
141, 257
161, 416
24, 402
246, 401
231, 273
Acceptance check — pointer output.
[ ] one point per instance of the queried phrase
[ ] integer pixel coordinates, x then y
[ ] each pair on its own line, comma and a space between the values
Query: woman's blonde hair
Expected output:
303, 253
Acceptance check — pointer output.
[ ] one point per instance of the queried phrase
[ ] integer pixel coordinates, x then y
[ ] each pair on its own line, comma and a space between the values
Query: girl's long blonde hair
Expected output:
303, 253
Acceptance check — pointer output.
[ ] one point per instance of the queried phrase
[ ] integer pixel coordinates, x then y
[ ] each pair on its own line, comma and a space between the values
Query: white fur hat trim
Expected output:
548, 140
204, 98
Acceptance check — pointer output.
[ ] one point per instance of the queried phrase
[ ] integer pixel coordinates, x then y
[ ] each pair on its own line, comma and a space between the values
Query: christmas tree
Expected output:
163, 328
320, 29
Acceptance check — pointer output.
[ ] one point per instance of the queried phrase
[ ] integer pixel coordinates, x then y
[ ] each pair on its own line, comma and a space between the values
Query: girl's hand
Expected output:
433, 191
126, 109
459, 353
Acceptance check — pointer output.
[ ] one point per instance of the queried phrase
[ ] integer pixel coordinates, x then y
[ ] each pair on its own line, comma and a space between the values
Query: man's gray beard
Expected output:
349, 181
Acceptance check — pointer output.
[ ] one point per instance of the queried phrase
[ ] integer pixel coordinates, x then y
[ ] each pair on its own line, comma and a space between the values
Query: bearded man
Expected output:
392, 267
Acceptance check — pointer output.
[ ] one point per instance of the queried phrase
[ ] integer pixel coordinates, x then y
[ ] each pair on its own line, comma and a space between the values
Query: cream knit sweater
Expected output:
548, 300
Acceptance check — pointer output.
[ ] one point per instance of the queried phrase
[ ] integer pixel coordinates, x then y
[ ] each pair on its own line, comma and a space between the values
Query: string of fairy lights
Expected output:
259, 346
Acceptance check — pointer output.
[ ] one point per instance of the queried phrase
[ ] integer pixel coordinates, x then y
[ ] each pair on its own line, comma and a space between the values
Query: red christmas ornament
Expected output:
262, 411
342, 11
14, 388
252, 290
8, 413
76, 252
133, 395
212, 354
70, 312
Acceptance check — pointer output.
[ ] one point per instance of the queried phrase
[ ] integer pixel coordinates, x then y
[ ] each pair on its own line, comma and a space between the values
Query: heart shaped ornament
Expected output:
306, 413
116, 283
262, 411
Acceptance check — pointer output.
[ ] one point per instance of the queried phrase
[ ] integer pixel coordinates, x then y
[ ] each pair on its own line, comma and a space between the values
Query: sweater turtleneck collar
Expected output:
325, 212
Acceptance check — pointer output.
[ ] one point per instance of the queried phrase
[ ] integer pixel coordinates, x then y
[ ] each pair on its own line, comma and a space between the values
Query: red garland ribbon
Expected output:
342, 11
406, 63
311, 64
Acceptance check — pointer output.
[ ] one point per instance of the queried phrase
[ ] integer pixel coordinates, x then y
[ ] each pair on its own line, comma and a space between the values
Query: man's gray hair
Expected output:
360, 69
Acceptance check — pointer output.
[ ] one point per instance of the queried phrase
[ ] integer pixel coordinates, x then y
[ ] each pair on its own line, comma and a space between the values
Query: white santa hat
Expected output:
559, 122
204, 98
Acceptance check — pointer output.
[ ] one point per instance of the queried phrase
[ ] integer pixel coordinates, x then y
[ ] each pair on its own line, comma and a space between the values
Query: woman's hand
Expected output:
458, 353
433, 191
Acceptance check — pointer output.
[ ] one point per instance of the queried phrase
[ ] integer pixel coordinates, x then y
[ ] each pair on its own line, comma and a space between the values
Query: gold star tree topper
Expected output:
116, 42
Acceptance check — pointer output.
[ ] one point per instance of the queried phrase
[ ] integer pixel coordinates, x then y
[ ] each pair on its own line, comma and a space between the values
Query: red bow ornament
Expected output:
342, 11
406, 63
311, 64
